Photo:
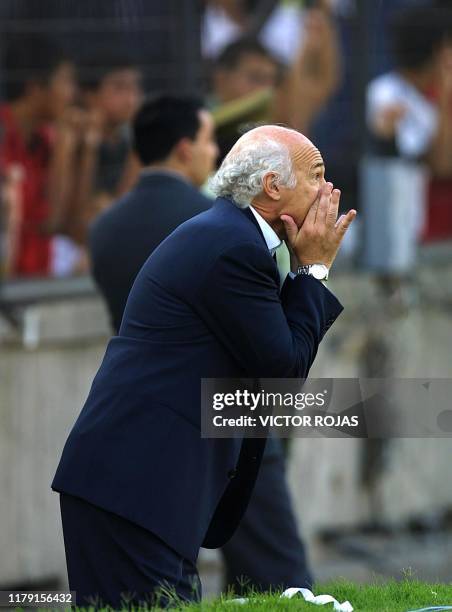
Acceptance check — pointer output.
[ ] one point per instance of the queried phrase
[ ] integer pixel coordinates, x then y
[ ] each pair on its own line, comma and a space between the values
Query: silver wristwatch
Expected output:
318, 271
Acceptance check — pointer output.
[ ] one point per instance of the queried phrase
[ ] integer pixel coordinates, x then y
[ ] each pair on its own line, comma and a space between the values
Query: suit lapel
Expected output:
247, 212
242, 211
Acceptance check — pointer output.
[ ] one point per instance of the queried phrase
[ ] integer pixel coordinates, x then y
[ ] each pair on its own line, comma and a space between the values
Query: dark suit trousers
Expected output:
111, 560
266, 552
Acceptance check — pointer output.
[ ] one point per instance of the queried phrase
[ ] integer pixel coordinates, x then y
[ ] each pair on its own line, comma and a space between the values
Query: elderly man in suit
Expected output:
173, 138
141, 491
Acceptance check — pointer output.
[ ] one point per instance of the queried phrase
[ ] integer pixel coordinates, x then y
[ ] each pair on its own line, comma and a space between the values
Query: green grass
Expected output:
390, 596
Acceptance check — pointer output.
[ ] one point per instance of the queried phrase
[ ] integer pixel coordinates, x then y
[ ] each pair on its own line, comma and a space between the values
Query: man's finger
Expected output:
334, 207
291, 229
324, 203
344, 221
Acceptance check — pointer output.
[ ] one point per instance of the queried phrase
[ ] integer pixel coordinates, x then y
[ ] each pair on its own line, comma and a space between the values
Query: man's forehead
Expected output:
307, 155
302, 150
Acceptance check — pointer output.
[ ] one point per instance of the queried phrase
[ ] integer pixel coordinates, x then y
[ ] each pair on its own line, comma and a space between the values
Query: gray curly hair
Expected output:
240, 176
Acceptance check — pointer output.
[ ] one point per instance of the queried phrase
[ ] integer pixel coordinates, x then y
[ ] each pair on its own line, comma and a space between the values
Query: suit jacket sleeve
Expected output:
268, 333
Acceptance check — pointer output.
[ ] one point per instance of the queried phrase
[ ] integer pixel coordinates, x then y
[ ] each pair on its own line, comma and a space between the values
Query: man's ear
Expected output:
183, 150
270, 184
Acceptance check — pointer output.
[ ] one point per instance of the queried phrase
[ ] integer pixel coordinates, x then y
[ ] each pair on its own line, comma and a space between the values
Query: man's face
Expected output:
252, 73
60, 91
203, 150
310, 172
118, 96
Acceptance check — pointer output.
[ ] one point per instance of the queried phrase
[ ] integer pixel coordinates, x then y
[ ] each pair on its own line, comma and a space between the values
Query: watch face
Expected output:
319, 271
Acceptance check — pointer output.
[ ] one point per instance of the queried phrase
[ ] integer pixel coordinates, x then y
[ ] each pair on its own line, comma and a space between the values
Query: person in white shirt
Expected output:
410, 137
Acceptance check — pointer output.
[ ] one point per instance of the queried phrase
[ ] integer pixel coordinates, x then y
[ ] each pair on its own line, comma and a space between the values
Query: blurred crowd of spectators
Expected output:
65, 147
65, 152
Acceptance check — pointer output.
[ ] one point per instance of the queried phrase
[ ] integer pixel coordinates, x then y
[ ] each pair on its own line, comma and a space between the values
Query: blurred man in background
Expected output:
174, 140
39, 89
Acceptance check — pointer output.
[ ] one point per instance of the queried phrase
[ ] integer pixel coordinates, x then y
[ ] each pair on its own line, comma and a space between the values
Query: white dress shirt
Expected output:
273, 243
270, 236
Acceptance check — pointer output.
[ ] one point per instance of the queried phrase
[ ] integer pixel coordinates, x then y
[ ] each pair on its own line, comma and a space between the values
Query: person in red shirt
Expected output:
40, 86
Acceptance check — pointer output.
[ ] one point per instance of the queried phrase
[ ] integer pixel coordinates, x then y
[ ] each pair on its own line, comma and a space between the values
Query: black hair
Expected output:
233, 53
95, 69
417, 33
162, 122
29, 58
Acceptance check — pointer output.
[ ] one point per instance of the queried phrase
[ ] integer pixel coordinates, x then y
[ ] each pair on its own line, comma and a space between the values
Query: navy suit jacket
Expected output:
205, 304
123, 237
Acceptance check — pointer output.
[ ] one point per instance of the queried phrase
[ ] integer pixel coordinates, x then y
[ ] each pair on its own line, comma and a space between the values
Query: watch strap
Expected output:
307, 270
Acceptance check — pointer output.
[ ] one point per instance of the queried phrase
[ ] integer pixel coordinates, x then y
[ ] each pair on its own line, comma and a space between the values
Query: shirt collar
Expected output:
270, 236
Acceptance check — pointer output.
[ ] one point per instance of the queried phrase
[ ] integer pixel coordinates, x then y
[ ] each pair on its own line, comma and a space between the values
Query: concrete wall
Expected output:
47, 365
42, 391
416, 478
